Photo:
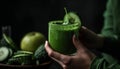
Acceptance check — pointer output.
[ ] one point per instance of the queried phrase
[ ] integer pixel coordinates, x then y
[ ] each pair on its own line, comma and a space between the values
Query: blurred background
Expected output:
33, 15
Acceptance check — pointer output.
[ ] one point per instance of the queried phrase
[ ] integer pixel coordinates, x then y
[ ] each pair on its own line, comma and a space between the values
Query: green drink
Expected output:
60, 36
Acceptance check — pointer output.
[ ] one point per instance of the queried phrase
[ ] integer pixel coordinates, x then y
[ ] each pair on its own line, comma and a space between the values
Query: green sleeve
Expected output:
107, 29
105, 61
111, 21
109, 32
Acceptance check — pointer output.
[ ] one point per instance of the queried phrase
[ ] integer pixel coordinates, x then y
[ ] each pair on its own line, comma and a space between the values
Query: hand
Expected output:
80, 60
90, 39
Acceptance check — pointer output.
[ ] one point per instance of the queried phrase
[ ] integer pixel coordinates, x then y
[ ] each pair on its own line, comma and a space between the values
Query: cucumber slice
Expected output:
22, 55
23, 52
21, 59
4, 53
9, 41
10, 52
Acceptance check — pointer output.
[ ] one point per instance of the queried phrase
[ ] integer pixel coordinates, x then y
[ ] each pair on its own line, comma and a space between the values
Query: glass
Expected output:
60, 36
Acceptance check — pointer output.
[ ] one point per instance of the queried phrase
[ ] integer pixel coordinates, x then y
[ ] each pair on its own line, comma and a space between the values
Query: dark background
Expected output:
28, 15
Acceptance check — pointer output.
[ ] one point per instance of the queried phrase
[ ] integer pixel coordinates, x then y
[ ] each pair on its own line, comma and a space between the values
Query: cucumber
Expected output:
23, 52
10, 52
13, 61
41, 54
21, 59
21, 55
4, 53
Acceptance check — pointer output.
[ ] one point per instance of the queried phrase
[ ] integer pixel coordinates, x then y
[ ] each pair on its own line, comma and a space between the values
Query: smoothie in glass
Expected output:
60, 36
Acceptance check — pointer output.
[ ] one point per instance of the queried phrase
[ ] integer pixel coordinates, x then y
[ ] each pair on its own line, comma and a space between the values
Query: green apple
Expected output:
31, 41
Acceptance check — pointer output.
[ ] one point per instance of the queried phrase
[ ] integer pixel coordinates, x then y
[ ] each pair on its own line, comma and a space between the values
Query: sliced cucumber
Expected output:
4, 53
21, 55
10, 52
10, 41
21, 59
23, 52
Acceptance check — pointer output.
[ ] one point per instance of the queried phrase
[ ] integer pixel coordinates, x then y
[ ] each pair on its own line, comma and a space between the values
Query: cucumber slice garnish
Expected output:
4, 53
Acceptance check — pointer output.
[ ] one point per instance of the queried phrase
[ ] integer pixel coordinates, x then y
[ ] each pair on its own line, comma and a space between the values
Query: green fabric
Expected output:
111, 28
105, 62
111, 32
112, 19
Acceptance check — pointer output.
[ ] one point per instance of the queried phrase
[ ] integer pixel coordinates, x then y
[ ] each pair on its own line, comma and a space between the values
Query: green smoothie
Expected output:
60, 36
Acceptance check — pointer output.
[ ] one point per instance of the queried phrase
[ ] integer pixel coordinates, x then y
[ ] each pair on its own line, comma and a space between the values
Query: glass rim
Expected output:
58, 25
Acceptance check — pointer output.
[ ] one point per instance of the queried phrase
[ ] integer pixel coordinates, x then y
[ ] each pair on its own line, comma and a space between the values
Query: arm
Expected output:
105, 61
111, 42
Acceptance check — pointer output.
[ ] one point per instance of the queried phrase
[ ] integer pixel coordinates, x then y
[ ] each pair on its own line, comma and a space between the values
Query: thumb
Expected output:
87, 32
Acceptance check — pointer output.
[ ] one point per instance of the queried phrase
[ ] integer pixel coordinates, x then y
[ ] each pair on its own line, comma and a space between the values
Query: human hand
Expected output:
80, 60
90, 39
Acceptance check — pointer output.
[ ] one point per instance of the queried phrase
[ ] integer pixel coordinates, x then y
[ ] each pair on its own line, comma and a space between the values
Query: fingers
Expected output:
81, 49
52, 53
47, 48
60, 58
61, 63
77, 43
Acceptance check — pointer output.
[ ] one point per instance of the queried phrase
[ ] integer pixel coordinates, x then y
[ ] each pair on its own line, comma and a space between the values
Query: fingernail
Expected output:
84, 27
46, 42
75, 37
